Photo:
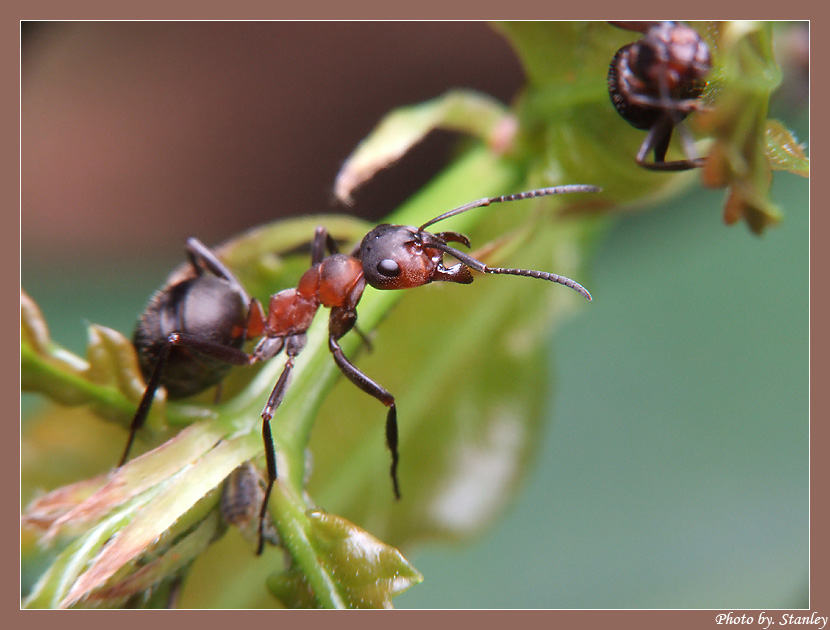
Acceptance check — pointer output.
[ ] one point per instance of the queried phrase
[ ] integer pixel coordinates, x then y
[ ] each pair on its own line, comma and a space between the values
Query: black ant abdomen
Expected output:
203, 306
656, 82
191, 333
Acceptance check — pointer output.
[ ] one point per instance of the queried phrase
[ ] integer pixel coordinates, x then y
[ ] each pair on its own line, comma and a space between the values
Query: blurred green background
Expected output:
674, 468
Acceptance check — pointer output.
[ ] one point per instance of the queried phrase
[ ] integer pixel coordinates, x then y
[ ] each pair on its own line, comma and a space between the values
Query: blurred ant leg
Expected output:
217, 394
198, 252
146, 400
679, 106
364, 338
322, 241
688, 143
293, 346
208, 348
373, 389
657, 140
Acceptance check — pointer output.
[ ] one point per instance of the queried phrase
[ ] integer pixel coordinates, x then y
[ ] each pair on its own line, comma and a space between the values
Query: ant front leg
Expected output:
664, 102
323, 241
339, 316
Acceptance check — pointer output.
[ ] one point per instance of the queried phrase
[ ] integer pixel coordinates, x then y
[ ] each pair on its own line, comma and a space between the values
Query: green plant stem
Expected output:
295, 532
478, 172
236, 424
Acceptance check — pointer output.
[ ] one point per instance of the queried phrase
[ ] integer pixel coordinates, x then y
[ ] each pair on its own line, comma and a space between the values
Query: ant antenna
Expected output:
479, 266
539, 192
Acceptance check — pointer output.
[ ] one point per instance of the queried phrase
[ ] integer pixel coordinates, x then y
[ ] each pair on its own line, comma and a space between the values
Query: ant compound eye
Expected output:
389, 268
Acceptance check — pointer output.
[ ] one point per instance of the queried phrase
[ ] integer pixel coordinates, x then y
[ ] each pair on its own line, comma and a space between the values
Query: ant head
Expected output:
396, 257
673, 53
403, 257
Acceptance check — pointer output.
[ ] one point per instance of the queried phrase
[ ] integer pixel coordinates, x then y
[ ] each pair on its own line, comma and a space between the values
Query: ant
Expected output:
193, 330
656, 82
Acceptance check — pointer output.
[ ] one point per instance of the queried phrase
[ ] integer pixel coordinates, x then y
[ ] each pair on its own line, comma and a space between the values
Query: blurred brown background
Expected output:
136, 135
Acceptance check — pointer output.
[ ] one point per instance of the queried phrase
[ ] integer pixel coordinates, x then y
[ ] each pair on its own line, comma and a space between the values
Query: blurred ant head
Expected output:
670, 58
654, 83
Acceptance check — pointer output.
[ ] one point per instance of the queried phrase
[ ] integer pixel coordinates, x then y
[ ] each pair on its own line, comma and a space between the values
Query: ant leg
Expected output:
373, 389
294, 344
656, 137
661, 144
682, 107
657, 140
217, 395
198, 252
659, 135
364, 338
689, 147
322, 242
146, 400
174, 592
209, 348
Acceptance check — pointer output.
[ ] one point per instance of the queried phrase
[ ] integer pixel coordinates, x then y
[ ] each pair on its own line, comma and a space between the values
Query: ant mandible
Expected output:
193, 330
656, 82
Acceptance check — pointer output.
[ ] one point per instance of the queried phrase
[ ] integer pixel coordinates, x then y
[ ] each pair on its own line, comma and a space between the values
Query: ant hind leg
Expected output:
209, 348
373, 389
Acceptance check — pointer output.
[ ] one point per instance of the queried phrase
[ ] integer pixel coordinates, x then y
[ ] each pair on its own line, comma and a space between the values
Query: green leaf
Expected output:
368, 573
468, 391
53, 585
465, 111
168, 564
84, 573
109, 379
109, 376
569, 131
365, 572
784, 151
